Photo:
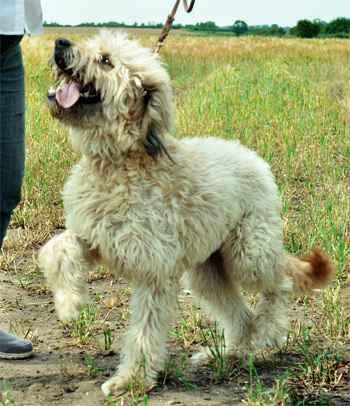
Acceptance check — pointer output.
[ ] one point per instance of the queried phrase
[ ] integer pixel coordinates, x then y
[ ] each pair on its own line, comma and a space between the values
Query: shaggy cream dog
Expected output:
155, 208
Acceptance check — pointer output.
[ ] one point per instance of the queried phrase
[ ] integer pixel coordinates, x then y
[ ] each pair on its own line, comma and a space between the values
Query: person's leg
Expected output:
12, 129
12, 158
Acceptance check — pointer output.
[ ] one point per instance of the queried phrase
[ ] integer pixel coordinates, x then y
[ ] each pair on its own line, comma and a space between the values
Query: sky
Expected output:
285, 13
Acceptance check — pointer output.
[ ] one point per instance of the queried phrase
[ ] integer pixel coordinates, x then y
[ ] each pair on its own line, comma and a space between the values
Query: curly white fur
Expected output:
209, 210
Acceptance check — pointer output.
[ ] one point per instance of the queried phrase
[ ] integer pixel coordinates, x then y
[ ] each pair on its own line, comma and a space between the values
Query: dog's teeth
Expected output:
52, 90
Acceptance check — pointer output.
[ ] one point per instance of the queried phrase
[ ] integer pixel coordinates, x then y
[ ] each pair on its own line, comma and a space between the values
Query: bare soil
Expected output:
58, 372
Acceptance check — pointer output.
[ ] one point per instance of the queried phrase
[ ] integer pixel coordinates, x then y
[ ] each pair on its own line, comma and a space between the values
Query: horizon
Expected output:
158, 22
255, 13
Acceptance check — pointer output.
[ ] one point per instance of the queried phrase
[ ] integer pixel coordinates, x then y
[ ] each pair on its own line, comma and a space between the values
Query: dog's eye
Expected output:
106, 61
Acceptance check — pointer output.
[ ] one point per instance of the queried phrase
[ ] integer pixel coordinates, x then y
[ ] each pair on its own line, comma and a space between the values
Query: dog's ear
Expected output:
154, 146
158, 118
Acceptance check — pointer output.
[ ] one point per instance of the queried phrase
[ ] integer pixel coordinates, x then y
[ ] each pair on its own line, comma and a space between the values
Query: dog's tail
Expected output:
314, 271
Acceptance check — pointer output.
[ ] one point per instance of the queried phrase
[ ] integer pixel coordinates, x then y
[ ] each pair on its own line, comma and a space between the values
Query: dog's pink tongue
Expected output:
68, 95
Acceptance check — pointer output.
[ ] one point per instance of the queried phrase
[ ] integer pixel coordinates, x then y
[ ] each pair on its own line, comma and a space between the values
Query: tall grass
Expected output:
288, 99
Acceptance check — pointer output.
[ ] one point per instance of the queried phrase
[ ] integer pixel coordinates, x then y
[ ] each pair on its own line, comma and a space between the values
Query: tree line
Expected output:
337, 28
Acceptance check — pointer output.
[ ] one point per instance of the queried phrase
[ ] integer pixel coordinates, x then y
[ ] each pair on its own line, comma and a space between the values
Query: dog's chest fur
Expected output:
133, 216
167, 216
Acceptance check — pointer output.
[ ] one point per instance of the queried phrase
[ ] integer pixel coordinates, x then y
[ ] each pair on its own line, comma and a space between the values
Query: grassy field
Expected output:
288, 99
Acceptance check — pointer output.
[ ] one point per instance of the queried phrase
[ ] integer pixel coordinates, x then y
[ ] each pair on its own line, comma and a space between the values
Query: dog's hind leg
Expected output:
255, 255
144, 352
223, 300
65, 259
271, 314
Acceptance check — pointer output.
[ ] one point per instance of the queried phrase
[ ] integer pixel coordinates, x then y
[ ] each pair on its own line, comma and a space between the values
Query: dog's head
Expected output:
114, 87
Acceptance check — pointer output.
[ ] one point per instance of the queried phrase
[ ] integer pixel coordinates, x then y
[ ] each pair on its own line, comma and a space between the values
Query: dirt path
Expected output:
64, 371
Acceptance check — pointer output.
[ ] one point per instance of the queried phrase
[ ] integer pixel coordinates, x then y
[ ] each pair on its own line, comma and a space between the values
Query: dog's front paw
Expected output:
68, 304
116, 386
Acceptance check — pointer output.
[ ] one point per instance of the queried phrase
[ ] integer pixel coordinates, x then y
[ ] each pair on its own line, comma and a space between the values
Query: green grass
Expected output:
174, 373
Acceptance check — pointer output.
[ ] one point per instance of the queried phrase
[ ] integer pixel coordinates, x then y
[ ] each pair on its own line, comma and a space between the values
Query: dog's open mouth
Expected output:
72, 93
74, 89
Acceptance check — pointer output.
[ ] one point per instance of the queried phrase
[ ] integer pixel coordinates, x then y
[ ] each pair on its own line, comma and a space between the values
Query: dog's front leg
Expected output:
144, 352
64, 260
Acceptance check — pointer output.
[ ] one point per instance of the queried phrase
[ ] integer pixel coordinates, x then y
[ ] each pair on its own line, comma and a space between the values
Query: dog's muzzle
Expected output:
62, 51
74, 90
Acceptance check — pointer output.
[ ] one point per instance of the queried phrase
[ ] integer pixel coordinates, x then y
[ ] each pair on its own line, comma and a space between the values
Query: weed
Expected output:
189, 333
71, 369
116, 299
100, 273
173, 372
108, 339
89, 326
138, 387
335, 317
222, 365
26, 330
6, 399
111, 402
120, 401
259, 397
84, 323
13, 328
28, 280
91, 369
293, 336
321, 371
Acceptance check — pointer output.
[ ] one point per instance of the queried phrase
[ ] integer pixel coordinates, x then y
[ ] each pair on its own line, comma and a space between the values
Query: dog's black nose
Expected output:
62, 43
63, 52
